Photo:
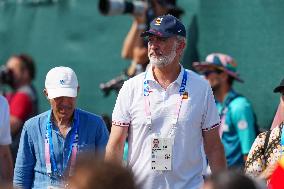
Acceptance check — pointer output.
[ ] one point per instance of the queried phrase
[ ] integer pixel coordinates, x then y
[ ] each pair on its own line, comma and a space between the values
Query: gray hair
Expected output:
181, 39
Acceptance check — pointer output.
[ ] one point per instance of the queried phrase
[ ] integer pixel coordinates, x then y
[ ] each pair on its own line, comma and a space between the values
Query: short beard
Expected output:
164, 60
215, 88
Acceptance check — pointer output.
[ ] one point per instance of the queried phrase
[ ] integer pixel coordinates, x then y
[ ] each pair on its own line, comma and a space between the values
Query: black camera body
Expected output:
6, 76
114, 84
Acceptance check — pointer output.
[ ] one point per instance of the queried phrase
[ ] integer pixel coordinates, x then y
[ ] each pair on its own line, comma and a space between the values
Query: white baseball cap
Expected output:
61, 81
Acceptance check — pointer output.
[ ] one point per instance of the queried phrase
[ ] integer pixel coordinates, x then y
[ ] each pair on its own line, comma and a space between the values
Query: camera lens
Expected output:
6, 76
117, 7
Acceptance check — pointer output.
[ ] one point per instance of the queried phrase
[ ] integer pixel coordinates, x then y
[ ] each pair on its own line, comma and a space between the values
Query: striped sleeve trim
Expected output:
121, 124
212, 127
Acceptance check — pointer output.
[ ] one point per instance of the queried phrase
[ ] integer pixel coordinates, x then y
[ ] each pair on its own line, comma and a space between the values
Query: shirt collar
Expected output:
75, 117
150, 76
231, 94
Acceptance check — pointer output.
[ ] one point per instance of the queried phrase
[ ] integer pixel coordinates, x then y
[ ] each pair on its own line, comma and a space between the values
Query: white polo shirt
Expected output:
197, 113
5, 135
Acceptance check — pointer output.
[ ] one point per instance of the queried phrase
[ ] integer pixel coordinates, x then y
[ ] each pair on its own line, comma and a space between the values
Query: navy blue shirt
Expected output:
30, 169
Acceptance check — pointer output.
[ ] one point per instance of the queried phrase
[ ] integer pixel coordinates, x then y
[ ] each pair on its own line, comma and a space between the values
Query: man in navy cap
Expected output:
166, 112
134, 47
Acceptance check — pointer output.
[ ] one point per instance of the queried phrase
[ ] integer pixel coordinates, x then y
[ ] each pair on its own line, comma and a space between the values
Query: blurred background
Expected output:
74, 33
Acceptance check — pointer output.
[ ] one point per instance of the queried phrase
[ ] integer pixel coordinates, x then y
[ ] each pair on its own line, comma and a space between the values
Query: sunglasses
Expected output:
208, 72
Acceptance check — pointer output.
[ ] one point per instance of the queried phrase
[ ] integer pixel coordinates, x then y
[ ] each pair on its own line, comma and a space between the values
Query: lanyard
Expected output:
49, 151
224, 111
146, 93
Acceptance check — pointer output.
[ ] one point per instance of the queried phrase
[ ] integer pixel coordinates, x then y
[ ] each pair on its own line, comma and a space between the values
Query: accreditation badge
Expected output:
161, 157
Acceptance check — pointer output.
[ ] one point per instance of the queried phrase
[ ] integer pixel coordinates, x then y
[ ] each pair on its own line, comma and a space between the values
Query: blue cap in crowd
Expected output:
165, 26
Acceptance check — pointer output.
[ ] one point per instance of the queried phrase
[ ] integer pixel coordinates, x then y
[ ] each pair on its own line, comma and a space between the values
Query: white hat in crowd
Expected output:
61, 81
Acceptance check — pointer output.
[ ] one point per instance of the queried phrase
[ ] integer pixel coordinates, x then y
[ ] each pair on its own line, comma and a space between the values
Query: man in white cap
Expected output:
50, 141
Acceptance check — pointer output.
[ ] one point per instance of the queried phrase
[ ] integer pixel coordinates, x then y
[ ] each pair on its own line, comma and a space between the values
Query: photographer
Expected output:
134, 47
23, 98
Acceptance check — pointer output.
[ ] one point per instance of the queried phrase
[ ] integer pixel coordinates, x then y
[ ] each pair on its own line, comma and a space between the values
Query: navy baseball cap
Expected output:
165, 26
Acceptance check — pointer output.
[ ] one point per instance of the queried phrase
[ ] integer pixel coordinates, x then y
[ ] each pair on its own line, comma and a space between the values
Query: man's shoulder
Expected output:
90, 122
239, 102
136, 79
88, 116
30, 123
197, 80
132, 84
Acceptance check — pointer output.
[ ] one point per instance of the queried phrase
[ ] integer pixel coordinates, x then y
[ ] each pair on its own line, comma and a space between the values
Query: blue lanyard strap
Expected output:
183, 83
49, 153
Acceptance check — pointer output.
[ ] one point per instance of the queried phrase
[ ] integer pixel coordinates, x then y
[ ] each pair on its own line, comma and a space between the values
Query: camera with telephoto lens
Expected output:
6, 76
113, 84
117, 7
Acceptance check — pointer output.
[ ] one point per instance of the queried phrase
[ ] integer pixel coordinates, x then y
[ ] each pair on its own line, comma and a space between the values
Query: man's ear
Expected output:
78, 89
26, 75
45, 93
181, 46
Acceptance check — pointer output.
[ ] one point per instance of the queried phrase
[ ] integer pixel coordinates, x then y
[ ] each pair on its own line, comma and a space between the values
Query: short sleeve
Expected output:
211, 117
5, 134
243, 119
120, 115
21, 106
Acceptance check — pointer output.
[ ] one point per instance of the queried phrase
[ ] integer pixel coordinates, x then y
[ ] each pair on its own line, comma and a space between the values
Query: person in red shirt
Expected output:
23, 98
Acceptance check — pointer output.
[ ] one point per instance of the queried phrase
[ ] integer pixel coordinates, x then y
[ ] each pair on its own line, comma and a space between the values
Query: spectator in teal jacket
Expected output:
238, 124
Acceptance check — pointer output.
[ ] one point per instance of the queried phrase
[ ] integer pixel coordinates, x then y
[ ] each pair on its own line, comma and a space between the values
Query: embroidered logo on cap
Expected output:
158, 21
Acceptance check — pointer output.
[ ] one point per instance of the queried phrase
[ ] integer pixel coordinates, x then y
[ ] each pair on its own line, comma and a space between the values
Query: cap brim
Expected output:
60, 92
156, 33
201, 66
278, 89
